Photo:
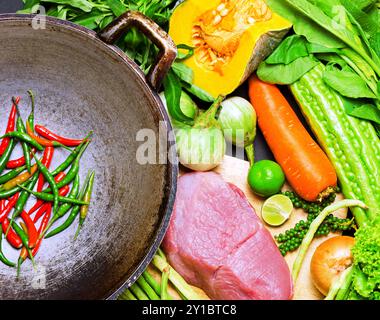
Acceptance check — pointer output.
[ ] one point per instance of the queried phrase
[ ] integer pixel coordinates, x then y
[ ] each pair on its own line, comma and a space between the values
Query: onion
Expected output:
330, 259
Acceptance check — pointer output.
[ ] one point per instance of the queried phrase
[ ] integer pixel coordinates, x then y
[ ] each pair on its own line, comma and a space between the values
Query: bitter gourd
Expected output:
351, 144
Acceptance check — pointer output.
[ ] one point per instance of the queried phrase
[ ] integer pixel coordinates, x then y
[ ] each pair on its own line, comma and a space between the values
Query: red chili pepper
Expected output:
59, 177
8, 208
32, 231
41, 141
46, 133
10, 127
16, 163
41, 229
46, 161
12, 237
2, 205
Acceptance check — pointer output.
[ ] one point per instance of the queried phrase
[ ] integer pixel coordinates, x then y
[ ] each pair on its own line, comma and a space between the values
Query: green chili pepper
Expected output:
64, 165
48, 197
73, 214
24, 196
31, 115
24, 238
11, 174
23, 137
6, 155
70, 176
3, 259
9, 193
86, 198
21, 128
64, 208
50, 179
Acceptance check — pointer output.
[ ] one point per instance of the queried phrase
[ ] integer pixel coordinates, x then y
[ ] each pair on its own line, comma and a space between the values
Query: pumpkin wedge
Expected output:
230, 37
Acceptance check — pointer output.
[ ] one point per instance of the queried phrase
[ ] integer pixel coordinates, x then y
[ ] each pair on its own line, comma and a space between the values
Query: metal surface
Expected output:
83, 84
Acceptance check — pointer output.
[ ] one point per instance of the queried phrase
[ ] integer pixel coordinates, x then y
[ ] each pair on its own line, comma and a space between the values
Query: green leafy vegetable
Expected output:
362, 109
172, 86
347, 83
286, 74
183, 72
184, 51
289, 50
117, 7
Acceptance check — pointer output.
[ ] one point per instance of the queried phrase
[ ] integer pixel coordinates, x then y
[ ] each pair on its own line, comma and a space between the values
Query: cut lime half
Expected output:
276, 210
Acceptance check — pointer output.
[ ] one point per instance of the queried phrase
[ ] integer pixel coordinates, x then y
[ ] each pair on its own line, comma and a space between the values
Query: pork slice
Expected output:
216, 242
203, 231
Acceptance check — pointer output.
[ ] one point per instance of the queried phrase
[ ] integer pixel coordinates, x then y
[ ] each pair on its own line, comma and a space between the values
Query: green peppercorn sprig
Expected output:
291, 239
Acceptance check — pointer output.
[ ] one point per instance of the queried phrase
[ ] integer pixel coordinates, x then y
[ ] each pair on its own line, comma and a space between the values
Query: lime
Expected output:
276, 210
266, 178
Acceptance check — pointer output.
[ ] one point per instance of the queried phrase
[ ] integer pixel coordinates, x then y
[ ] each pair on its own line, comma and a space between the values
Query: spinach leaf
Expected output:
184, 51
290, 49
173, 90
375, 43
84, 5
286, 74
347, 83
361, 109
117, 7
198, 92
183, 72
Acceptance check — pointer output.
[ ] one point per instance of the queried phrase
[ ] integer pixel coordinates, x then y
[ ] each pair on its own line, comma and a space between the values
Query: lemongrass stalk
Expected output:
144, 285
314, 227
126, 295
175, 278
138, 292
164, 283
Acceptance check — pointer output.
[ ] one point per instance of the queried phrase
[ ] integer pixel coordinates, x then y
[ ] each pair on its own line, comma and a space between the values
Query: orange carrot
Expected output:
306, 166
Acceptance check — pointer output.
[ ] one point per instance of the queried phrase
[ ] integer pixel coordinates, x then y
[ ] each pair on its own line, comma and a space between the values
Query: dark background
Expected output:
261, 149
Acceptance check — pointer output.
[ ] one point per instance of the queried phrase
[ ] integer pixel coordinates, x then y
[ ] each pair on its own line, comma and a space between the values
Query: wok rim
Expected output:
172, 167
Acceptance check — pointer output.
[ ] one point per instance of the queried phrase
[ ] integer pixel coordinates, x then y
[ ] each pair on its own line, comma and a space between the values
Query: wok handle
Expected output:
168, 50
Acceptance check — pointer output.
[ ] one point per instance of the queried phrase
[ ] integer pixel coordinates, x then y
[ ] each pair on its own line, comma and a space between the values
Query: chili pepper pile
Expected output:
57, 192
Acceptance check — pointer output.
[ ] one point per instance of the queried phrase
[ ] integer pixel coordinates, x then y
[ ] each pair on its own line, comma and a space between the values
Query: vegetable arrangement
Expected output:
332, 67
18, 183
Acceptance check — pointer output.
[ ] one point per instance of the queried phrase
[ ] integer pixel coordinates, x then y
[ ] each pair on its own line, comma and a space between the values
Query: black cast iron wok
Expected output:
82, 82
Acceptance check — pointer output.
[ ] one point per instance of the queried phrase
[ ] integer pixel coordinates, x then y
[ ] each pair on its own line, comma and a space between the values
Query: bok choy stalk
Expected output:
238, 121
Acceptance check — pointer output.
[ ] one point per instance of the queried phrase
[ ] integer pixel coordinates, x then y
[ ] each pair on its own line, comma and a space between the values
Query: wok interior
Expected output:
81, 86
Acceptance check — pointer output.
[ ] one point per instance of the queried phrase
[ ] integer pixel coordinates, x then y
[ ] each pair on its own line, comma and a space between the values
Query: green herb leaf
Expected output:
198, 92
290, 49
173, 90
184, 51
286, 74
90, 20
117, 7
84, 5
185, 73
28, 6
347, 83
